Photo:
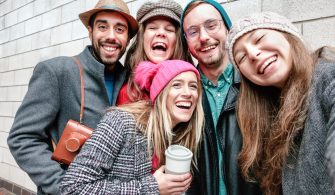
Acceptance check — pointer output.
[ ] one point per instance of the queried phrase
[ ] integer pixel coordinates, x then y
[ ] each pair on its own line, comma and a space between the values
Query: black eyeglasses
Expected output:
211, 26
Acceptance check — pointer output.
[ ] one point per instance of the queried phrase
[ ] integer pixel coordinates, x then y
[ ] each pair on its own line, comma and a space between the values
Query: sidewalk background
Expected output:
36, 30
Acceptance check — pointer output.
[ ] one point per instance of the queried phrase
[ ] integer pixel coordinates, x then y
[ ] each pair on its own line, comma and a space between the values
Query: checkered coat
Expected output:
113, 161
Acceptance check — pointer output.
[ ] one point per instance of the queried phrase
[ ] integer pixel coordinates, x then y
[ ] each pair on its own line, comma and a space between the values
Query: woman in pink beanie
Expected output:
159, 38
286, 106
117, 157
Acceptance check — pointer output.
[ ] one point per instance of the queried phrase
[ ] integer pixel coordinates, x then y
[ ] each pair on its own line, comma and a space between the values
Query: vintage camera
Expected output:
71, 141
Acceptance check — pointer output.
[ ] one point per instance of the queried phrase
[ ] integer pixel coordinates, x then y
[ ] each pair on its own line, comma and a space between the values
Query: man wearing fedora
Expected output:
54, 93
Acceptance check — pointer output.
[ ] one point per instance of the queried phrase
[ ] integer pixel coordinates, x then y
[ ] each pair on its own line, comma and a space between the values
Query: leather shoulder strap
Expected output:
80, 67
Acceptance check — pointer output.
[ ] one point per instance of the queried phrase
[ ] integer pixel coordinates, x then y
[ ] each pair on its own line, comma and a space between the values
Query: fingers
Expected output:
180, 178
179, 183
162, 168
159, 172
172, 184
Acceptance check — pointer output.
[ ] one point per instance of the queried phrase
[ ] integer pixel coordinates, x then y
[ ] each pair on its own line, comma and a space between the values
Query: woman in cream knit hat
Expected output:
159, 38
286, 106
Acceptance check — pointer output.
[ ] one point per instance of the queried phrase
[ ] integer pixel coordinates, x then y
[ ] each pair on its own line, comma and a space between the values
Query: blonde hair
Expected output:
156, 123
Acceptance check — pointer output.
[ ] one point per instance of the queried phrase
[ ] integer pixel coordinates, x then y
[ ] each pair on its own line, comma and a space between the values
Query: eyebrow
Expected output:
105, 21
183, 80
208, 20
100, 21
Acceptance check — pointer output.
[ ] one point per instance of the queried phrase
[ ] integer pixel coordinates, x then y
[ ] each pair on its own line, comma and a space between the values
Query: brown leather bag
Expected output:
75, 133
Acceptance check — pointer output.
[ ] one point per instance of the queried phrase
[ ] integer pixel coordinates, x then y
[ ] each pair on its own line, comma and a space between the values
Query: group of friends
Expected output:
257, 110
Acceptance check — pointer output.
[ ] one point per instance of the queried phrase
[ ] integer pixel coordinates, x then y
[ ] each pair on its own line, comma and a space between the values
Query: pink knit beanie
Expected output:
154, 77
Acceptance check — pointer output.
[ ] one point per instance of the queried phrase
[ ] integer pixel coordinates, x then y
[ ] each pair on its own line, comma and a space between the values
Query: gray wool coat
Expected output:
306, 171
52, 99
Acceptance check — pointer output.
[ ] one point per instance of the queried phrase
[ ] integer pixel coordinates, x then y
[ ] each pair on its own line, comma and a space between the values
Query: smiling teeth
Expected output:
268, 61
184, 104
110, 48
208, 48
159, 44
266, 64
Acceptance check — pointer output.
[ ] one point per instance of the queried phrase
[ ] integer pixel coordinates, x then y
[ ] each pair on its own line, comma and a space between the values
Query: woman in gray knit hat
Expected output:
159, 38
286, 106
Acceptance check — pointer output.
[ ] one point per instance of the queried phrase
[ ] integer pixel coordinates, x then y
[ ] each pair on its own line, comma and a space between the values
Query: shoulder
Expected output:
324, 72
323, 83
114, 125
56, 65
117, 117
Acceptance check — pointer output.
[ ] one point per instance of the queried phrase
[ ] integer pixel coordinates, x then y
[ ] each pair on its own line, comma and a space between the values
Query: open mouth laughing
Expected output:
159, 46
184, 105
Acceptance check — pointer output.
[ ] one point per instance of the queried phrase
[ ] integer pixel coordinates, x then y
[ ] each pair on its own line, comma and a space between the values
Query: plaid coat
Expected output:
114, 160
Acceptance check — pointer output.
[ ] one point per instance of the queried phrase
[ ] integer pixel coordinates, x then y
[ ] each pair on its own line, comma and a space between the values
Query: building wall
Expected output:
36, 30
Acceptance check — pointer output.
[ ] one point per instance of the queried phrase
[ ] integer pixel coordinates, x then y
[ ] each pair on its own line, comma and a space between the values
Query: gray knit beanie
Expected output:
264, 20
167, 8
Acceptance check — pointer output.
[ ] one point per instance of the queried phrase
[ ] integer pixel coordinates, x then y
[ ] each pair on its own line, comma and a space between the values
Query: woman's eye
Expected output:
194, 86
241, 59
171, 30
176, 85
151, 27
259, 38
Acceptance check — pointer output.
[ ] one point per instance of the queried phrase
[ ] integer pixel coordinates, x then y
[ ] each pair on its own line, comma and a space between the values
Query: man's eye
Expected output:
192, 32
102, 27
120, 29
211, 25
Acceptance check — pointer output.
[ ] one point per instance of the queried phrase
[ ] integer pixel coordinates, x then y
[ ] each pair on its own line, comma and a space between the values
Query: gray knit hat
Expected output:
264, 20
168, 8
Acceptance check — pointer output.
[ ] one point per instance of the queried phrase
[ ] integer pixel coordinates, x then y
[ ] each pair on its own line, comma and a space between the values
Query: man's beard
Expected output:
108, 62
212, 62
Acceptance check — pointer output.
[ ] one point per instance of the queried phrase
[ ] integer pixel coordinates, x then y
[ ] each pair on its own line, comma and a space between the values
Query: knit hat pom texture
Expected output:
154, 77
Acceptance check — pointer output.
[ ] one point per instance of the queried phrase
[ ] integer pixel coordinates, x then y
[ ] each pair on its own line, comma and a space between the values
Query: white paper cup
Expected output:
178, 160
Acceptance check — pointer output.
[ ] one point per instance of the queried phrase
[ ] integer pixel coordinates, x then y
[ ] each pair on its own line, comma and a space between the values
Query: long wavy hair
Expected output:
136, 54
270, 119
156, 123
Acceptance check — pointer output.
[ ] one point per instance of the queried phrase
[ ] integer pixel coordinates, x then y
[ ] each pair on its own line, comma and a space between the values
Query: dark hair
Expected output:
92, 19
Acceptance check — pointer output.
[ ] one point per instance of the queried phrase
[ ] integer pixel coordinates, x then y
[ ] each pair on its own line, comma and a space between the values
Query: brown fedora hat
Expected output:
111, 5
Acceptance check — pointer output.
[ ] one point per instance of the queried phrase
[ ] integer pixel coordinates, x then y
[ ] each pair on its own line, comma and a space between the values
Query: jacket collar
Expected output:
231, 98
93, 65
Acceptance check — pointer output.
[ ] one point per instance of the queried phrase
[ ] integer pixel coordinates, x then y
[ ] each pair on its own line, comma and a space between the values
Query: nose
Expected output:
111, 36
186, 91
161, 32
203, 35
253, 52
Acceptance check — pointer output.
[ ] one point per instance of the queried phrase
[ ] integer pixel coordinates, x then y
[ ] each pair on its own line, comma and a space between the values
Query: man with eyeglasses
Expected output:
205, 26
